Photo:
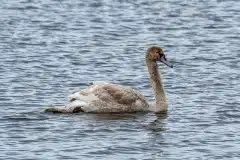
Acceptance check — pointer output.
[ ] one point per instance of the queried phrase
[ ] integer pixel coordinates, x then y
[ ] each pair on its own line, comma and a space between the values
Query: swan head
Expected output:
156, 54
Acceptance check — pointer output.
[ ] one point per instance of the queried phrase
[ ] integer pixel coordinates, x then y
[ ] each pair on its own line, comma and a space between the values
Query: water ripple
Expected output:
51, 48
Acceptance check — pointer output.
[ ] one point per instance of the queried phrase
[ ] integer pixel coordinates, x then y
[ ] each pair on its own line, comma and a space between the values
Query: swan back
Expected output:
108, 98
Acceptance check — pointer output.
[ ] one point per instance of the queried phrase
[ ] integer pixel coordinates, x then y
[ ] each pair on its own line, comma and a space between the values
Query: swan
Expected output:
113, 98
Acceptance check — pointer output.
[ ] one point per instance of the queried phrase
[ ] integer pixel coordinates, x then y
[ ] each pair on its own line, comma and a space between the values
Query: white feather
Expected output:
76, 103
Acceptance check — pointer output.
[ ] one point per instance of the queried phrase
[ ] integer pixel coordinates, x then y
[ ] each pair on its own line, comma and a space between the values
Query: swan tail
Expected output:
63, 109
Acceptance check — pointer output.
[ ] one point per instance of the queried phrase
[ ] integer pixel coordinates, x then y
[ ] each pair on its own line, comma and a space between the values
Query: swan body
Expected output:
107, 98
113, 98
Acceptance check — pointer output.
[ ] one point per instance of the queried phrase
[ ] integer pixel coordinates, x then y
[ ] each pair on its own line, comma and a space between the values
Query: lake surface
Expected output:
51, 48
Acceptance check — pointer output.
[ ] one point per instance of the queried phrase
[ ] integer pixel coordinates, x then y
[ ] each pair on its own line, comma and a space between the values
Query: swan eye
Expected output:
160, 55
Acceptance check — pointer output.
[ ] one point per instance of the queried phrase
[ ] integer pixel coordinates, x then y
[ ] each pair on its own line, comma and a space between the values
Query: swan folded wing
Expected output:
120, 95
114, 98
104, 92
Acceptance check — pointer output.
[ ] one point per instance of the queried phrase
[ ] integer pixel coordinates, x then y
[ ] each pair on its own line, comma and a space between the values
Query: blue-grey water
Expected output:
50, 48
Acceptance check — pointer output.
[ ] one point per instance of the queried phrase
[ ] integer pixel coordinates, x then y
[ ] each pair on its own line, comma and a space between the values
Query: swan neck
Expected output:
157, 85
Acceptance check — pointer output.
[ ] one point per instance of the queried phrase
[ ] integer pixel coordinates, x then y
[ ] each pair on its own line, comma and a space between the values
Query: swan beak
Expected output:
164, 60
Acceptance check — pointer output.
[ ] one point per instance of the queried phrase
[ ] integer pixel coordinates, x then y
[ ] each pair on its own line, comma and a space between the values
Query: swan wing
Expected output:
109, 98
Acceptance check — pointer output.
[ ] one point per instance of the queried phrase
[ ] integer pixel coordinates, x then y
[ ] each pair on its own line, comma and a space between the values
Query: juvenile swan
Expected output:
112, 98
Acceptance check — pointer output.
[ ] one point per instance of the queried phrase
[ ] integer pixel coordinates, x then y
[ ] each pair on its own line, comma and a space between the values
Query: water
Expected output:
51, 48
